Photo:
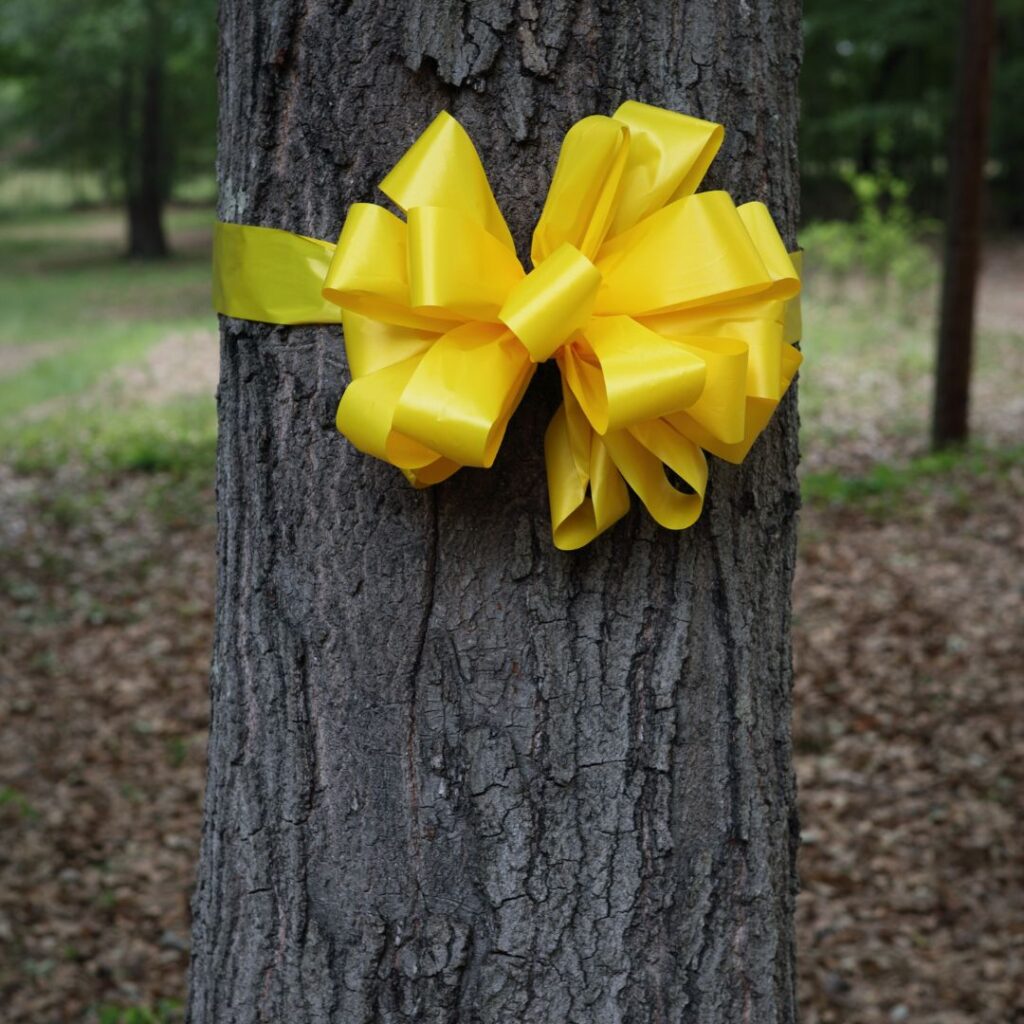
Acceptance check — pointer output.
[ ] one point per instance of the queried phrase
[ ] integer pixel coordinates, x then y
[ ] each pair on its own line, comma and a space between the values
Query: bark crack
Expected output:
429, 589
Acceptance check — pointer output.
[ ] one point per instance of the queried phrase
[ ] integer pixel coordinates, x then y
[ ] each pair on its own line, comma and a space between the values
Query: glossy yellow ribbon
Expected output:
671, 315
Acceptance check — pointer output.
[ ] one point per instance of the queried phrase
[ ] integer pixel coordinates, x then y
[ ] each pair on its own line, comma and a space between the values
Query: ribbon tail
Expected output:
642, 454
586, 492
270, 276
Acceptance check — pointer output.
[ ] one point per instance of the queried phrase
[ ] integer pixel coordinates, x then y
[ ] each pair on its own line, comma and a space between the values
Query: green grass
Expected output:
16, 799
177, 437
71, 311
65, 288
867, 379
76, 368
850, 346
167, 1011
63, 279
885, 488
76, 459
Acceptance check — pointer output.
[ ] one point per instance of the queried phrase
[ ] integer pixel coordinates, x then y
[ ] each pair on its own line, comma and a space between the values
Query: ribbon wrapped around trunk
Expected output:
671, 315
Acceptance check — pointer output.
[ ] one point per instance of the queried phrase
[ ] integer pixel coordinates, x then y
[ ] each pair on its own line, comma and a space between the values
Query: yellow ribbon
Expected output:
670, 314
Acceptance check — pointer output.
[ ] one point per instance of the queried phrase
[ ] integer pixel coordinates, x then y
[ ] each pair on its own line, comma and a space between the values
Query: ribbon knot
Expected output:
553, 302
668, 313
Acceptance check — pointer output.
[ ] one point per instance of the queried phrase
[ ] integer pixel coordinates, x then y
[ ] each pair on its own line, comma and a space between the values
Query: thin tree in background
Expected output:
968, 147
120, 90
456, 775
146, 177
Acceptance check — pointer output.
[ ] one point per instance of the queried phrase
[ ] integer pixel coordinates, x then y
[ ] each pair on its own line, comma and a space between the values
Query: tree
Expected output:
968, 147
455, 774
121, 88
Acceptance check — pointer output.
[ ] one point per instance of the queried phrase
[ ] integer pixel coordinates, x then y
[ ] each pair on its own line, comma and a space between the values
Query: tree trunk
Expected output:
454, 774
967, 152
146, 192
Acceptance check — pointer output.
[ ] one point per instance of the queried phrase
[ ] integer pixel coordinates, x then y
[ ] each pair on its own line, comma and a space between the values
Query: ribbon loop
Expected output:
642, 268
669, 153
586, 492
456, 267
442, 168
581, 199
622, 373
369, 273
462, 393
643, 453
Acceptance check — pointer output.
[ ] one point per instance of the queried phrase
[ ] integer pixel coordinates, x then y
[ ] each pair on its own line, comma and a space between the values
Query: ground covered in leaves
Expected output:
909, 735
909, 632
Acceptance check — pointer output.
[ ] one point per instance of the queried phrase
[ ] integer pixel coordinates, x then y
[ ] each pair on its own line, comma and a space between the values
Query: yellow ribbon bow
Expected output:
669, 313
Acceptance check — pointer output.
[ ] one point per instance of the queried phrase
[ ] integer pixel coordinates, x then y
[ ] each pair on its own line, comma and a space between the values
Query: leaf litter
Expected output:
908, 729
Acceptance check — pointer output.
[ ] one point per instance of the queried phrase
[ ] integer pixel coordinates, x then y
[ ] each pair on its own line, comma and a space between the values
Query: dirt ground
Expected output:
908, 735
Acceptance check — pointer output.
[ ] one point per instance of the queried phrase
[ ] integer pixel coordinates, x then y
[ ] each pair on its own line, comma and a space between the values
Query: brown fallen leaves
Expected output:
909, 738
105, 624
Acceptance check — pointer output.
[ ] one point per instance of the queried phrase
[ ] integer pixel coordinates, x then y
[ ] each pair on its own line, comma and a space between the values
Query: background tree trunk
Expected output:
456, 775
148, 153
968, 147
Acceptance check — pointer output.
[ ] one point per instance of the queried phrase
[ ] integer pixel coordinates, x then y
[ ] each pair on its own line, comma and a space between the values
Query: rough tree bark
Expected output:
456, 775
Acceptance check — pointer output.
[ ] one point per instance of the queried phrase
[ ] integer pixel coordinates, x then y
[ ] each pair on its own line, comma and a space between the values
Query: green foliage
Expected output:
26, 192
877, 91
177, 751
885, 242
74, 74
11, 797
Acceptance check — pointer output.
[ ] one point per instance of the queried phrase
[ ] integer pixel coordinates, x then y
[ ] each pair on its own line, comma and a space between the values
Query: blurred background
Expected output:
909, 600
